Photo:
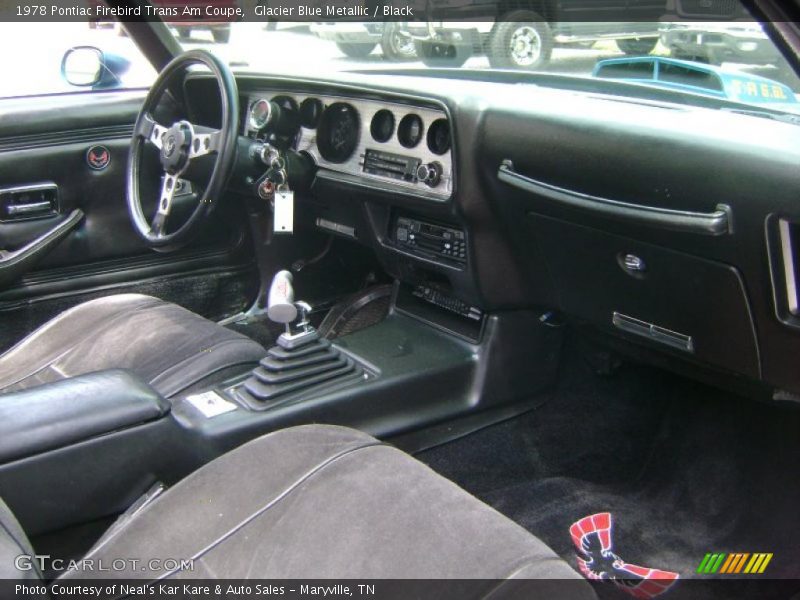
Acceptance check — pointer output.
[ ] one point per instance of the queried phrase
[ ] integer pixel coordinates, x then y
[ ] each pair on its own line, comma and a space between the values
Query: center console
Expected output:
88, 447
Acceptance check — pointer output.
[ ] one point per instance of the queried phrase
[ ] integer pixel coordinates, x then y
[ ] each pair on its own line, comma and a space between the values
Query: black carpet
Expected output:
684, 470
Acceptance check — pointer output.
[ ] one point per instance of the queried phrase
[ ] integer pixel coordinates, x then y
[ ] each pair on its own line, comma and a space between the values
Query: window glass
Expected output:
33, 54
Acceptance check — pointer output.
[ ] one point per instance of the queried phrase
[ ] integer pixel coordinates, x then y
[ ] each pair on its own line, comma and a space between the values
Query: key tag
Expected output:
283, 221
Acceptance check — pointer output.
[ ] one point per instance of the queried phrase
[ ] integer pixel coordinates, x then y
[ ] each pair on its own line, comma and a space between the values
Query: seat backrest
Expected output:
13, 544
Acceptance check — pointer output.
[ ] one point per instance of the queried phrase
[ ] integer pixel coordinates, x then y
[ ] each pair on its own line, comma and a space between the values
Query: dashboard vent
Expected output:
783, 244
789, 236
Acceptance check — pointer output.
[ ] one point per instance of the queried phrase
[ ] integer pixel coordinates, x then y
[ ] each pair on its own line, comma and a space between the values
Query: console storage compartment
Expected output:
85, 448
73, 410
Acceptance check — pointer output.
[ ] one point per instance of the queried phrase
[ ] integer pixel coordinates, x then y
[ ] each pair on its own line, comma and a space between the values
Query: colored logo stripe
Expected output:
734, 563
758, 563
711, 563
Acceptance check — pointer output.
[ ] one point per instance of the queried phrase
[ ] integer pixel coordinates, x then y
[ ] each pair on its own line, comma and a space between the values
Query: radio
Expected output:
404, 168
391, 165
435, 240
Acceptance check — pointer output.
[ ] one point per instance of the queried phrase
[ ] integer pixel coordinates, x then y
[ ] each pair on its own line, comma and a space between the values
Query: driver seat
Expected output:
166, 345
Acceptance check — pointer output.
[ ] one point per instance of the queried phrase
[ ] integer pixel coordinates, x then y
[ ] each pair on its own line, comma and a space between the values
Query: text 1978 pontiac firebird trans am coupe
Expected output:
275, 314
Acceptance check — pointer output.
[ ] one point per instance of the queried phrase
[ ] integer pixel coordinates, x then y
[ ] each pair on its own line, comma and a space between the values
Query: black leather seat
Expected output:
321, 501
164, 344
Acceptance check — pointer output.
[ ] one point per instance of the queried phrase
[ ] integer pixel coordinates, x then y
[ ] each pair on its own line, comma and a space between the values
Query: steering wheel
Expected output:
179, 144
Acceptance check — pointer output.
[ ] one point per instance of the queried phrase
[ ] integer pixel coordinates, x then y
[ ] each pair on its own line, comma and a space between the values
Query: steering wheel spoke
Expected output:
159, 223
204, 141
152, 131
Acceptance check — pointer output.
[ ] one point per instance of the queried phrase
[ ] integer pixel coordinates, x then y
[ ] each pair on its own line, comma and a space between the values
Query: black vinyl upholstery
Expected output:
72, 410
166, 345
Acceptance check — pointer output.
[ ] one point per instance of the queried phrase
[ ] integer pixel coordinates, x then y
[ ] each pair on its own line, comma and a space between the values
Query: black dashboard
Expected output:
670, 229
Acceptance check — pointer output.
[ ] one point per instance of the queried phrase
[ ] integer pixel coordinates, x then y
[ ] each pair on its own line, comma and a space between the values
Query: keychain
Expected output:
284, 209
275, 189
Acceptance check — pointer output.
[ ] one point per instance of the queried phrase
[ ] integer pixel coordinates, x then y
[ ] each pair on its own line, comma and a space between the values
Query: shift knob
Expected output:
280, 304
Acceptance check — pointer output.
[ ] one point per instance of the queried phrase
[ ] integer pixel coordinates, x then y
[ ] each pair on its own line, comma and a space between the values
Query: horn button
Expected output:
175, 144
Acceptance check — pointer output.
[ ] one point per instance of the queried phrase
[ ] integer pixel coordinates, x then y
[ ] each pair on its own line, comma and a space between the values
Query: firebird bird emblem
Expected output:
597, 561
98, 157
169, 146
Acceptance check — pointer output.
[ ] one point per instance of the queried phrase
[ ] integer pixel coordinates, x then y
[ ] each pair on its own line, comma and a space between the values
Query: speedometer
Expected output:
338, 132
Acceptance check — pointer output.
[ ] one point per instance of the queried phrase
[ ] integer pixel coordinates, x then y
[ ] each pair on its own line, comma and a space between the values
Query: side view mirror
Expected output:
87, 66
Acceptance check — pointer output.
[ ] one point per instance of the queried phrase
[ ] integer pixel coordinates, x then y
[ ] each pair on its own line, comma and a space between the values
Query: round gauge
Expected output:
409, 132
286, 120
338, 134
286, 102
439, 136
310, 112
382, 126
260, 112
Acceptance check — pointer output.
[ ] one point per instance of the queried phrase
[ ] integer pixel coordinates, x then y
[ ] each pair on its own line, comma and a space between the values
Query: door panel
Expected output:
46, 140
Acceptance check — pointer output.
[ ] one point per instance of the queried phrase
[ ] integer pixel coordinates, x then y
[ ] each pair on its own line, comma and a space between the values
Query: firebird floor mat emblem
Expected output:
597, 561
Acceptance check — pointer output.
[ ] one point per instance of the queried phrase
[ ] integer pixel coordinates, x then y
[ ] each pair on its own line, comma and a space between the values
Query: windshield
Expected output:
723, 55
734, 61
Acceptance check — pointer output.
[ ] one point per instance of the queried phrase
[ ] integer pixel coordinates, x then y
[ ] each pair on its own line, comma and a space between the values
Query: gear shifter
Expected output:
282, 308
280, 305
300, 360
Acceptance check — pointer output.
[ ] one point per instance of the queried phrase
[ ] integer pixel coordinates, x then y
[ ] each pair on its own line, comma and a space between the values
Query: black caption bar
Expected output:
372, 10
385, 589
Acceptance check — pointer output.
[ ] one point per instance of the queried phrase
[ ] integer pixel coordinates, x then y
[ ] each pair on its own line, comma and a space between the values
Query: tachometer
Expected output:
338, 132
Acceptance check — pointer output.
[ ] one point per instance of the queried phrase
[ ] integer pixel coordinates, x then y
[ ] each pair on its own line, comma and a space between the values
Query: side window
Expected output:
54, 58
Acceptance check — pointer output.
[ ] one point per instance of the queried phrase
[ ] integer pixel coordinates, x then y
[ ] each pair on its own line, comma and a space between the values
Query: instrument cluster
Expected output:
403, 146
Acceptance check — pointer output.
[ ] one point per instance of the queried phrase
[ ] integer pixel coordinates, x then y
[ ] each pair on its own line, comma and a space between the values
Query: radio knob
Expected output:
430, 173
422, 172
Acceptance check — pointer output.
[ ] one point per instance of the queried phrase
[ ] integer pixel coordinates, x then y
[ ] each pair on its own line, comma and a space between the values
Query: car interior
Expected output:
335, 328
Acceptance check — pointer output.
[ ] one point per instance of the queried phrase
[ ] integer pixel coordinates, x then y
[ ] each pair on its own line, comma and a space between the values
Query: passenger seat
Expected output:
321, 501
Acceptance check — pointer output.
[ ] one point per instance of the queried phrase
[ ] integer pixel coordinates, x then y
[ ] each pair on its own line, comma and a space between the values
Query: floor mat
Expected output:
683, 468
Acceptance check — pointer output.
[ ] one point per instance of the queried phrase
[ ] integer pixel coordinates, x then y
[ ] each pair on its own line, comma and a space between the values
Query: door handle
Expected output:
26, 209
14, 263
30, 201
